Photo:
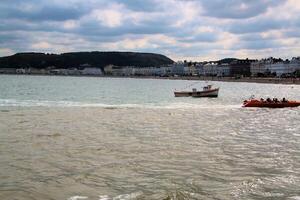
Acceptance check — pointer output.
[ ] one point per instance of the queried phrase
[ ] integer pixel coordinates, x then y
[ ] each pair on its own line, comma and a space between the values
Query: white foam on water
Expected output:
77, 198
127, 196
45, 103
200, 106
294, 198
104, 197
122, 196
177, 105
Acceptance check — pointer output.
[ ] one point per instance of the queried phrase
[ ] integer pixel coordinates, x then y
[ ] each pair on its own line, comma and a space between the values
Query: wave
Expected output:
184, 195
46, 103
174, 105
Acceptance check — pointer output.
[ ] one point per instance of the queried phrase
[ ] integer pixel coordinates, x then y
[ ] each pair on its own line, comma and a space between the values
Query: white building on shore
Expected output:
210, 69
199, 69
278, 68
223, 70
178, 68
295, 64
91, 71
257, 68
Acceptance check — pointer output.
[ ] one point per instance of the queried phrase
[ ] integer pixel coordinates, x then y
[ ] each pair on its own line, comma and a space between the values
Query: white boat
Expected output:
207, 91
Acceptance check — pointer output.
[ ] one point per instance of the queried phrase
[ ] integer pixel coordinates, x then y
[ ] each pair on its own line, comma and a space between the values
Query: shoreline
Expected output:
290, 81
286, 81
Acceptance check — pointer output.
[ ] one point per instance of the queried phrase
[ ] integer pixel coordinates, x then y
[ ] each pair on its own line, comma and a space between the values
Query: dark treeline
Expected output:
77, 59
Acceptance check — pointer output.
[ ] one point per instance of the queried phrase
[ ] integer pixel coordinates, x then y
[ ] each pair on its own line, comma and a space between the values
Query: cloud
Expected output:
195, 29
39, 11
257, 25
5, 51
41, 46
237, 9
70, 24
141, 6
110, 17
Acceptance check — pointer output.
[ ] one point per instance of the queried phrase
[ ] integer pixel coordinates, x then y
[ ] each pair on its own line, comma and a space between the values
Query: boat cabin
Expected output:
208, 87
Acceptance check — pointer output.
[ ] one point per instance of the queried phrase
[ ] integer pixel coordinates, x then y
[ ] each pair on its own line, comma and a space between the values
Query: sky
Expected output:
196, 30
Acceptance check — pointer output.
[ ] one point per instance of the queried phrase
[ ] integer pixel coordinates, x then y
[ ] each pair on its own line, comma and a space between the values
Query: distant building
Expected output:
187, 71
21, 71
113, 70
7, 70
214, 69
278, 69
73, 71
36, 71
91, 71
223, 70
210, 69
275, 67
56, 71
164, 71
108, 69
241, 67
199, 69
127, 71
178, 68
258, 68
295, 64
144, 71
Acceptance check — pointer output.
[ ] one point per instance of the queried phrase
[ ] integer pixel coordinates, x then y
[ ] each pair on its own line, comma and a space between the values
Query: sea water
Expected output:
123, 138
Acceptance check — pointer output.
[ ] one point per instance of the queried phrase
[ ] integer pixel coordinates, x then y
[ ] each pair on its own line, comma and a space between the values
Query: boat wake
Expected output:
177, 105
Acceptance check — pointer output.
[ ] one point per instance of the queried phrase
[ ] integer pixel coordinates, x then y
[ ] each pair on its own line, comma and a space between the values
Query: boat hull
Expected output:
209, 93
256, 103
183, 94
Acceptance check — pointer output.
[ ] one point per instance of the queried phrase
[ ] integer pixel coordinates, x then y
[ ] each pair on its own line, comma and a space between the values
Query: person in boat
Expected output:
275, 100
262, 99
269, 100
284, 100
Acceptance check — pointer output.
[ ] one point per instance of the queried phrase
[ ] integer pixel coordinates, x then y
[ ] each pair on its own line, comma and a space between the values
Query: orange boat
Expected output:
272, 104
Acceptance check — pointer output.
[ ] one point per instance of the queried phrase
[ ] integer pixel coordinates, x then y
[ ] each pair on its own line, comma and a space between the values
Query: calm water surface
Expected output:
112, 139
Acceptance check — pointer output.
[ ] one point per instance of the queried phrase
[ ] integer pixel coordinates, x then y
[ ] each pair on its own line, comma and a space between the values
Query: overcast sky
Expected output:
195, 30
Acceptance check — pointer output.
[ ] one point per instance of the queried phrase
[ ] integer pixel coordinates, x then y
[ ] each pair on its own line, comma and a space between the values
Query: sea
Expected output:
98, 138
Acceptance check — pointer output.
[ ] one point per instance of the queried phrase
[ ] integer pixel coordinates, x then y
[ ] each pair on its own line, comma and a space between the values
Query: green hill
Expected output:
77, 59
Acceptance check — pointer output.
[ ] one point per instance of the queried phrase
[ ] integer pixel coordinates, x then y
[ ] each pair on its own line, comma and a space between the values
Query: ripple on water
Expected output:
161, 153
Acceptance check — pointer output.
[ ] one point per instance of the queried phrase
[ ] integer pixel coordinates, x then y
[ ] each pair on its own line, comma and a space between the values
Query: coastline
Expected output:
288, 81
285, 81
293, 81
